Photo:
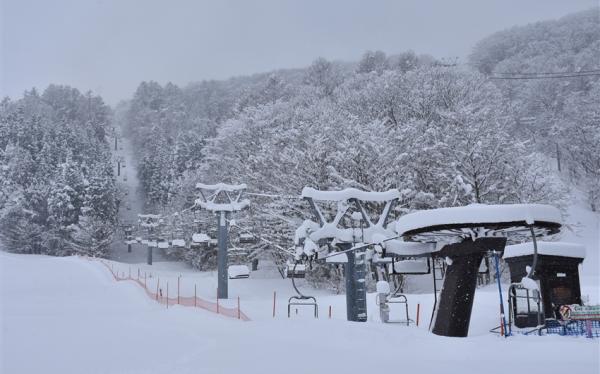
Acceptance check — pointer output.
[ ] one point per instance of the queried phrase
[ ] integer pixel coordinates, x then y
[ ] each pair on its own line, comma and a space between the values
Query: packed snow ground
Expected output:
68, 315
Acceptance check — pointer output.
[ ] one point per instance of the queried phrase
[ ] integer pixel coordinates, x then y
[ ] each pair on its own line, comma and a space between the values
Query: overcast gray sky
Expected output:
110, 46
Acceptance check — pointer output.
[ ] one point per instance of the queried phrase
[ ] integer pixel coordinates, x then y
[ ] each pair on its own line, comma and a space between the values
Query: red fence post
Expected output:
274, 297
157, 285
418, 310
194, 294
239, 307
167, 294
178, 278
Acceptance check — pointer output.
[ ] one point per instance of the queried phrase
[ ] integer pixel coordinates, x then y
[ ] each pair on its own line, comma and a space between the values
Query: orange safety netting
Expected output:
192, 301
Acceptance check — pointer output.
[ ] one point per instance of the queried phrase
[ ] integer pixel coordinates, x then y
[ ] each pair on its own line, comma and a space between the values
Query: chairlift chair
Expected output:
295, 270
246, 238
301, 299
238, 272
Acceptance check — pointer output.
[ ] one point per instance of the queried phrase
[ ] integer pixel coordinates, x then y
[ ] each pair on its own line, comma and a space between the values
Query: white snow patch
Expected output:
545, 248
478, 214
350, 193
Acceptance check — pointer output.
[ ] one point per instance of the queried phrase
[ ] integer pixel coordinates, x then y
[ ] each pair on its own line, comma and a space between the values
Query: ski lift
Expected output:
533, 301
162, 243
524, 306
300, 299
295, 270
180, 243
238, 272
200, 240
246, 238
384, 298
409, 266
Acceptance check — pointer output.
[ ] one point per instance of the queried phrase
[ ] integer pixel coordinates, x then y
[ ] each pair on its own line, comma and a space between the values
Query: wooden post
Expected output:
239, 308
178, 278
138, 274
330, 312
418, 311
274, 297
194, 294
157, 285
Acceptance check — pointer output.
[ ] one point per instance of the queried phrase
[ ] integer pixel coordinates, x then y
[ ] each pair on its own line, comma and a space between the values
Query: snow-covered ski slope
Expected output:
68, 315
132, 205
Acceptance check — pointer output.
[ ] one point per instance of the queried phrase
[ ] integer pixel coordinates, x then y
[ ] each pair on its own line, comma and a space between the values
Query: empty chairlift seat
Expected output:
247, 238
200, 240
163, 243
410, 266
295, 270
238, 272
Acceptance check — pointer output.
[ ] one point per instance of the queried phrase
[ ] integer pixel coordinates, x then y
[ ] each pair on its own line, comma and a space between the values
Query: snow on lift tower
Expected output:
150, 222
222, 199
464, 234
310, 235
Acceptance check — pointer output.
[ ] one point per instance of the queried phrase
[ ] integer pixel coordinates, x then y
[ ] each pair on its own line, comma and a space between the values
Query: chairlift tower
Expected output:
221, 199
150, 222
355, 267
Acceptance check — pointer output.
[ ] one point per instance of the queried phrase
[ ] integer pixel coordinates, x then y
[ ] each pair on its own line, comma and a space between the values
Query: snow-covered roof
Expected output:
222, 187
163, 245
478, 214
350, 193
178, 242
200, 238
545, 248
218, 207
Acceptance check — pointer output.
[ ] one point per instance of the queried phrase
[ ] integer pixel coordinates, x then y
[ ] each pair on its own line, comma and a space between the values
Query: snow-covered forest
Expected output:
58, 194
444, 133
